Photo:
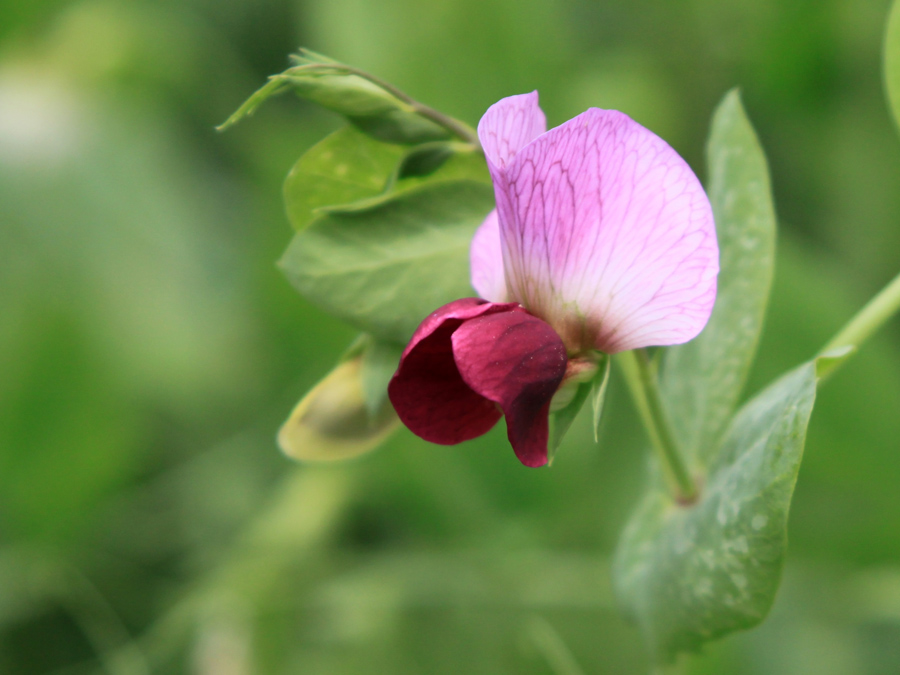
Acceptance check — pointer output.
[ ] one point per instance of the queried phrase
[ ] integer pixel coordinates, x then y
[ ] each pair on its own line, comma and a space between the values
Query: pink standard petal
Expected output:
508, 126
427, 391
517, 361
608, 235
486, 261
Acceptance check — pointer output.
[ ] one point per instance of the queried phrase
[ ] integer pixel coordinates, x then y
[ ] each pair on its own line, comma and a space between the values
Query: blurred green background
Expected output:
149, 348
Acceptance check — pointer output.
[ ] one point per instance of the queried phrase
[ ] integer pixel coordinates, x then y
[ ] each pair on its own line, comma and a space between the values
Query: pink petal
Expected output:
508, 126
427, 391
517, 361
608, 235
486, 261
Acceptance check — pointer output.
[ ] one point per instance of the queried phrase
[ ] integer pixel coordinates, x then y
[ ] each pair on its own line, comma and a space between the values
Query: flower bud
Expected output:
332, 422
367, 104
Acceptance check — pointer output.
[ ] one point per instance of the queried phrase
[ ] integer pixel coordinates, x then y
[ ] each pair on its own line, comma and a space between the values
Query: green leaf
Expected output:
384, 269
424, 159
892, 60
379, 363
702, 380
465, 165
366, 103
273, 87
442, 161
561, 420
344, 167
349, 171
593, 383
688, 574
598, 394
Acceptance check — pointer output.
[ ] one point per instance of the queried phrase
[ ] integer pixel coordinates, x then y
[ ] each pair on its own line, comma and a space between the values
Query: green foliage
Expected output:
598, 395
892, 60
702, 380
431, 162
691, 574
379, 363
344, 167
335, 421
148, 349
424, 159
385, 268
595, 387
359, 195
374, 107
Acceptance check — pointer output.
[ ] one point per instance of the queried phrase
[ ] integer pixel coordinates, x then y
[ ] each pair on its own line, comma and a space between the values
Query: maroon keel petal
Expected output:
517, 361
427, 391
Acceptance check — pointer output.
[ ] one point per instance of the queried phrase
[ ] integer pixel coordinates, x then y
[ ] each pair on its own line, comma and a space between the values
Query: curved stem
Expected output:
641, 378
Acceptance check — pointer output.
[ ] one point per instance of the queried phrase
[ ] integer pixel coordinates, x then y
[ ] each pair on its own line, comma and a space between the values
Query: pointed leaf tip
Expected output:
703, 379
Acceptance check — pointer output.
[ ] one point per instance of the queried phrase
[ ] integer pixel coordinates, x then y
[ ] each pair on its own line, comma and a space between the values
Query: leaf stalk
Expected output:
869, 319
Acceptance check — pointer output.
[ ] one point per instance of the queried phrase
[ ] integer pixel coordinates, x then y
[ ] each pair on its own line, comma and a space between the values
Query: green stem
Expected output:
642, 382
869, 319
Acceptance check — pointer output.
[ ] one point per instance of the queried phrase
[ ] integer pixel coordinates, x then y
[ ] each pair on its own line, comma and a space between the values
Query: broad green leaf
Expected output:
892, 60
369, 105
449, 160
464, 164
598, 394
349, 171
702, 380
344, 167
427, 158
333, 421
424, 159
384, 269
688, 574
379, 363
459, 161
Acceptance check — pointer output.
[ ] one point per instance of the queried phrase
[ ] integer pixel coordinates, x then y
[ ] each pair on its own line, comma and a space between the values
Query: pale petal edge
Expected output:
486, 261
508, 126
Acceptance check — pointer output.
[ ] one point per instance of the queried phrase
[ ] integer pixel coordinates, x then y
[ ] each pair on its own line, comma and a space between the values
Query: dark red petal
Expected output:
463, 309
517, 361
427, 391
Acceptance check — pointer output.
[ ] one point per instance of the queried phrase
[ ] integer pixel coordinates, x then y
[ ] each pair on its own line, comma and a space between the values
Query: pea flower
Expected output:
602, 241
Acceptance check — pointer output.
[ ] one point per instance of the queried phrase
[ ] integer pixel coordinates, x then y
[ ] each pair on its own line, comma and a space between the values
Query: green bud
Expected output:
332, 421
374, 107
